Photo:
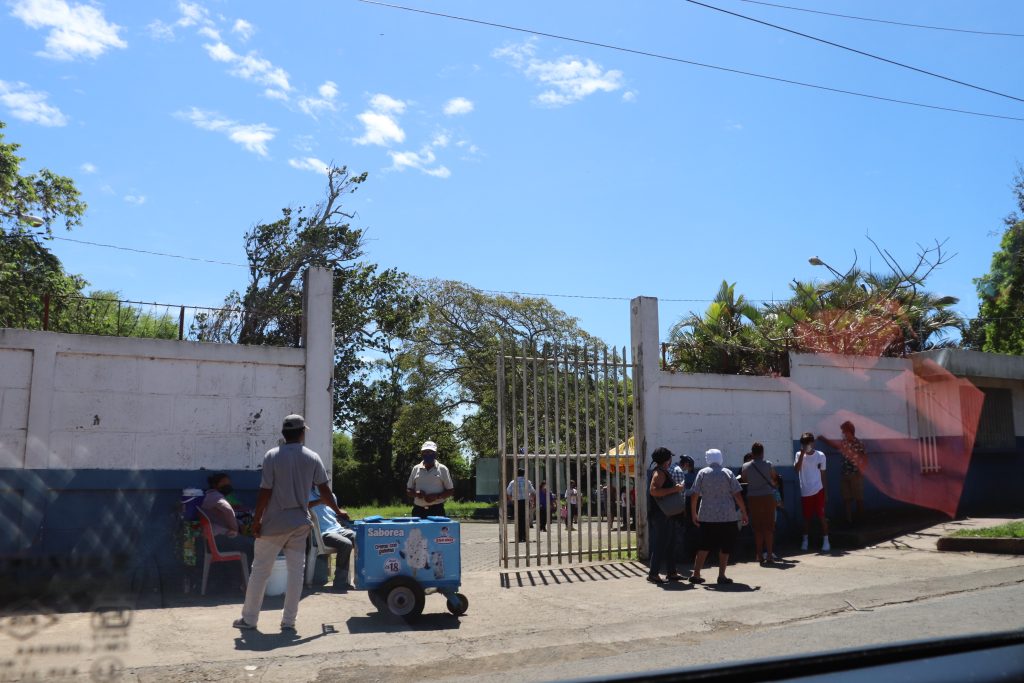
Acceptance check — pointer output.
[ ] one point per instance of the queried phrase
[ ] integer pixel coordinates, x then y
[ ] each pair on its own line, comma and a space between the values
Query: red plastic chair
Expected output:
214, 554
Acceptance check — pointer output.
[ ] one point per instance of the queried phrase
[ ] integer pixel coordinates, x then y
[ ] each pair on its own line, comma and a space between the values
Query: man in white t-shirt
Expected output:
522, 492
810, 469
430, 484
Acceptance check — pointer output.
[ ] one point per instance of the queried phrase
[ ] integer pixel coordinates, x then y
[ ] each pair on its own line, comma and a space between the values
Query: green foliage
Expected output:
1008, 530
44, 194
28, 270
371, 307
855, 313
1000, 324
102, 313
728, 338
453, 349
454, 509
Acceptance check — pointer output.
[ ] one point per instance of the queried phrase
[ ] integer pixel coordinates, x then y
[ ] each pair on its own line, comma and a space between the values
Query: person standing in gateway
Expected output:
281, 520
430, 484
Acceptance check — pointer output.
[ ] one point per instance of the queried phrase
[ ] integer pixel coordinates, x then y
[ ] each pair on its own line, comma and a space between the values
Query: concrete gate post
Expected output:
318, 339
645, 338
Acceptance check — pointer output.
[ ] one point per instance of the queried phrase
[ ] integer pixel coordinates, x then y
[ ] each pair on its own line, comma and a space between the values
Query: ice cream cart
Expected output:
400, 561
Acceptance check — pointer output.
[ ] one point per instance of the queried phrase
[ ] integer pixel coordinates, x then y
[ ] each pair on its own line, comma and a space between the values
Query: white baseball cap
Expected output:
428, 446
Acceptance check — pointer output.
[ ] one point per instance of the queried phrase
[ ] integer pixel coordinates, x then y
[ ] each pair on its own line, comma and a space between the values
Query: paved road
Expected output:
561, 622
972, 612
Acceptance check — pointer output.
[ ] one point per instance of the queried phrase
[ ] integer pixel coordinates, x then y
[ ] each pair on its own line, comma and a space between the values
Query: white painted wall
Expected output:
690, 413
81, 401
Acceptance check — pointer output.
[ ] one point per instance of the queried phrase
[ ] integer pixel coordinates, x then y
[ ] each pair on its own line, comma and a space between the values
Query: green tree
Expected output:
999, 327
28, 270
725, 339
453, 349
371, 307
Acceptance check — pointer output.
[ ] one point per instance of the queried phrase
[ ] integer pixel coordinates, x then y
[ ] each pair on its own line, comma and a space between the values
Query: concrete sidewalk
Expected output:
557, 614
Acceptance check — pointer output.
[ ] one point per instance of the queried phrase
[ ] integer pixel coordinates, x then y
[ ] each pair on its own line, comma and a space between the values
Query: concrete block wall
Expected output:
99, 435
119, 403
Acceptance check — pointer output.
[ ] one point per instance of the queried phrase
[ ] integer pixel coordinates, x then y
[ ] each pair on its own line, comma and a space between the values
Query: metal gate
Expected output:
566, 418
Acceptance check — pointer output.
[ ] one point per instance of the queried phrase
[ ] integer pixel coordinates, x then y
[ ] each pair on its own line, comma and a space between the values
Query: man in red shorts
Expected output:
810, 468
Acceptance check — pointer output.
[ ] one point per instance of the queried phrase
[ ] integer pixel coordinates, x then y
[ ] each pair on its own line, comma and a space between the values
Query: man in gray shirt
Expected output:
281, 520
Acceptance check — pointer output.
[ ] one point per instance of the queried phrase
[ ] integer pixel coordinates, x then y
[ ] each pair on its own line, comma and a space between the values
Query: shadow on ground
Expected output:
567, 575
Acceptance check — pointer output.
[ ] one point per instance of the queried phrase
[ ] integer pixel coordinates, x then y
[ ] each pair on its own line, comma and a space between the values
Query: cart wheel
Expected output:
377, 598
458, 604
403, 597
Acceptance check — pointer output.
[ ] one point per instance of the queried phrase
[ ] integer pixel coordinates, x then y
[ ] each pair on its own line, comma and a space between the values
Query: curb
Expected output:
965, 544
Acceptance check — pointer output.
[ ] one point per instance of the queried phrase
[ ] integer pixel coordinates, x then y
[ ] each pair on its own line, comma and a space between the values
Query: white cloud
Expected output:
244, 29
88, 167
136, 199
272, 94
385, 104
420, 161
252, 136
75, 30
314, 105
568, 79
458, 106
468, 146
629, 96
441, 139
381, 129
329, 90
220, 52
379, 122
30, 105
192, 13
210, 32
158, 30
252, 67
423, 159
309, 164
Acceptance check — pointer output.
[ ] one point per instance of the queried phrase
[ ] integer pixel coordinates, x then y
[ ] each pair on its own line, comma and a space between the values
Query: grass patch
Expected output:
454, 509
1008, 530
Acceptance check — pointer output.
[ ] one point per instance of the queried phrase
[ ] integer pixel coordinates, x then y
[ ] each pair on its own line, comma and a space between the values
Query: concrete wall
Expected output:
690, 413
85, 402
99, 435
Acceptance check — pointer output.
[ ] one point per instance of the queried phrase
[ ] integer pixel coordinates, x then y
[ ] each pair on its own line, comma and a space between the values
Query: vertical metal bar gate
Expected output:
566, 417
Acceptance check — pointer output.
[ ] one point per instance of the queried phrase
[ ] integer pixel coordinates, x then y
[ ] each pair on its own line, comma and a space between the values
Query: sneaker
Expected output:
724, 581
825, 547
288, 628
243, 624
803, 544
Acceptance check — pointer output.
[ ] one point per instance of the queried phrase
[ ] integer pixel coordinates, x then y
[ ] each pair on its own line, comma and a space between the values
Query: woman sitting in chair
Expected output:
222, 517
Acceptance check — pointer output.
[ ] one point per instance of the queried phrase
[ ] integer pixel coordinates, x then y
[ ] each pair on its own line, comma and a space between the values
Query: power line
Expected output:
486, 291
885, 21
855, 50
679, 60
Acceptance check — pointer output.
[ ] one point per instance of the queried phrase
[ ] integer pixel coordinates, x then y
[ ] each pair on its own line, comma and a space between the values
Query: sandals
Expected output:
724, 581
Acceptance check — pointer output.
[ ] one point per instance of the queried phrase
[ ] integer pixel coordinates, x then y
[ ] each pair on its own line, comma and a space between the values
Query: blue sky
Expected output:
515, 162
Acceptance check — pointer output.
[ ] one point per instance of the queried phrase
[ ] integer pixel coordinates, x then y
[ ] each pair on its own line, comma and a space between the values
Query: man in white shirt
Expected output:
430, 484
810, 468
521, 491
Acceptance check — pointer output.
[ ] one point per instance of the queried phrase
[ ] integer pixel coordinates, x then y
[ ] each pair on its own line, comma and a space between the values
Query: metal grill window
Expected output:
995, 428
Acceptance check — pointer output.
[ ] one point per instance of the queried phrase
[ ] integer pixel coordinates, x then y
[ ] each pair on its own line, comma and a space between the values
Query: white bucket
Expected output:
278, 577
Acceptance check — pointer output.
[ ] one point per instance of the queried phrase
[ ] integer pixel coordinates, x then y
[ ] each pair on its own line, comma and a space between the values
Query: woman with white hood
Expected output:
719, 495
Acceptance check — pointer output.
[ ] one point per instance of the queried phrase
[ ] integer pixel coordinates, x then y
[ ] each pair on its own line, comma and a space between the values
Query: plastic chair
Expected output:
316, 548
214, 554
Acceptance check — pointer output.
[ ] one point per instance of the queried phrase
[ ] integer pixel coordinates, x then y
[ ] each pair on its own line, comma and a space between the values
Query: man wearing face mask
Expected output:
222, 516
430, 484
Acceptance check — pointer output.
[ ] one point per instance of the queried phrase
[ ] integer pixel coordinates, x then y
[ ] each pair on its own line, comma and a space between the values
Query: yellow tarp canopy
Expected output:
624, 461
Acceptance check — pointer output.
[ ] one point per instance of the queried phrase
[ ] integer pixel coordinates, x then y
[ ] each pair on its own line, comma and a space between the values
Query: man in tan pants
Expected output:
281, 520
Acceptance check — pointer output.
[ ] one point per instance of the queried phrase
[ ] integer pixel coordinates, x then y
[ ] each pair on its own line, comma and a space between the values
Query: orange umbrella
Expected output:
622, 458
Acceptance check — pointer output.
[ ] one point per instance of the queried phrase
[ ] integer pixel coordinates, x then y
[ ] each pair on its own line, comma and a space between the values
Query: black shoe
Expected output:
696, 579
724, 580
675, 577
654, 578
